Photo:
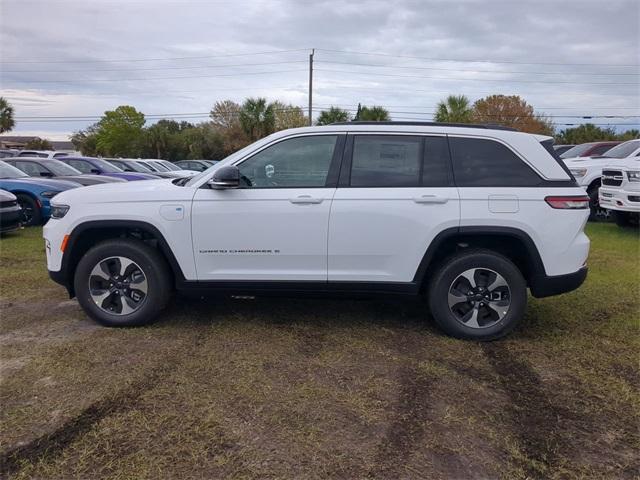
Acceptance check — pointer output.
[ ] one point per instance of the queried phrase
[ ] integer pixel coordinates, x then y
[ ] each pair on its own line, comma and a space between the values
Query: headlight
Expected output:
59, 211
634, 176
578, 172
49, 194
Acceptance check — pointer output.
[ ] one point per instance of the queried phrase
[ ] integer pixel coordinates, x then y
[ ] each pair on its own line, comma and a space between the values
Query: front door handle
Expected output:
302, 199
430, 199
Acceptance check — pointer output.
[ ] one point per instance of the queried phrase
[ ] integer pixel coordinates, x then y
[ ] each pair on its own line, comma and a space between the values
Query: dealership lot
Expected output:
317, 388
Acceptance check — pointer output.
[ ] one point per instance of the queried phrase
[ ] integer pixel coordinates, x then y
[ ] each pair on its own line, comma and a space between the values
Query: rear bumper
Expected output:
547, 286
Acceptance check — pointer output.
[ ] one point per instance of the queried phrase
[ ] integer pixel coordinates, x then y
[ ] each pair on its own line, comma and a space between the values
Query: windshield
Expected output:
170, 165
105, 166
159, 166
623, 150
8, 171
137, 167
577, 151
59, 168
148, 165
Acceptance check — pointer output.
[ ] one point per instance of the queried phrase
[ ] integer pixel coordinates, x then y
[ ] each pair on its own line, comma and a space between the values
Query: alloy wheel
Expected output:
479, 298
118, 285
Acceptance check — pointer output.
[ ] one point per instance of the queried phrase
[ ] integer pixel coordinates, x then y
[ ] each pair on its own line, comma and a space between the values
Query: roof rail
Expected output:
488, 126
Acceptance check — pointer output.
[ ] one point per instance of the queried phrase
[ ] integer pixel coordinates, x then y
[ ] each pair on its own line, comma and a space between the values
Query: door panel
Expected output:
381, 234
263, 234
275, 227
395, 195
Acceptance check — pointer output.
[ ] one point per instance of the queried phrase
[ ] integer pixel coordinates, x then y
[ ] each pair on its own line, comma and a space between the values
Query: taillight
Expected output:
568, 203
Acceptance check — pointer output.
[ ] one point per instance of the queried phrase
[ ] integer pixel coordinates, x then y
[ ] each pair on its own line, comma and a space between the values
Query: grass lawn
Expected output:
320, 388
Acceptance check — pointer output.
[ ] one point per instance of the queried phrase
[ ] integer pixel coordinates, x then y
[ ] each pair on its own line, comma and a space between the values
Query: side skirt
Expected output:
296, 288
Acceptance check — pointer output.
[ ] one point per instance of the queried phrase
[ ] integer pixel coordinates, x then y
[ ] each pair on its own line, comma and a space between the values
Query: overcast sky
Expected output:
63, 58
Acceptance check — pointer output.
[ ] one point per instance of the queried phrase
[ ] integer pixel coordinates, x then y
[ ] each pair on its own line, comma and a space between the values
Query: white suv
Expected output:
620, 190
468, 216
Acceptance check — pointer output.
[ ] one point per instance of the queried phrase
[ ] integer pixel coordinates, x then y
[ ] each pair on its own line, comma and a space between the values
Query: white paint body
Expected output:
330, 234
617, 197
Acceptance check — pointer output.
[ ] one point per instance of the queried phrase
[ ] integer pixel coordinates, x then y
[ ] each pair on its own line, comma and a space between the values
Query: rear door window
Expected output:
479, 162
386, 161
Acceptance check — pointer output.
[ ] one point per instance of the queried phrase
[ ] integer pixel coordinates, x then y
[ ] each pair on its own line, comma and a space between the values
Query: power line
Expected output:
431, 59
540, 108
377, 74
272, 52
384, 89
471, 70
161, 78
151, 68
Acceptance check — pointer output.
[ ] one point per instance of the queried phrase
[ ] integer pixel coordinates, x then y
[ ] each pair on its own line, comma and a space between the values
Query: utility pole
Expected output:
311, 86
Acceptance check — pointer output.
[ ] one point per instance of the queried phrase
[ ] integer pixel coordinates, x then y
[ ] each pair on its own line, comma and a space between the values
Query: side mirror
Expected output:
225, 177
46, 174
95, 170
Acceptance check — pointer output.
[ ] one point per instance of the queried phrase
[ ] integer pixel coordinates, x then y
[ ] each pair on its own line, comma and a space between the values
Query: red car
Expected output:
590, 149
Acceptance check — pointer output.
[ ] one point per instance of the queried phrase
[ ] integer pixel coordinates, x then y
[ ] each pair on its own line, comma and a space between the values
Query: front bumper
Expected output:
10, 219
619, 199
547, 286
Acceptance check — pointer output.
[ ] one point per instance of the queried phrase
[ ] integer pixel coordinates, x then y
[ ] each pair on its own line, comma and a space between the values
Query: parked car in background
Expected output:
10, 212
99, 166
560, 149
172, 166
7, 152
589, 149
52, 168
129, 165
43, 153
33, 194
588, 172
164, 172
196, 165
620, 190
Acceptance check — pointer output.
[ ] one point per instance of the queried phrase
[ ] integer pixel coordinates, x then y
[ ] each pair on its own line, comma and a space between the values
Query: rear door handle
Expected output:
302, 199
430, 199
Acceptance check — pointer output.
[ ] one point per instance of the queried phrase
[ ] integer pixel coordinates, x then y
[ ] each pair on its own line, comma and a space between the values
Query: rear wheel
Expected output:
596, 212
122, 283
478, 295
626, 219
31, 213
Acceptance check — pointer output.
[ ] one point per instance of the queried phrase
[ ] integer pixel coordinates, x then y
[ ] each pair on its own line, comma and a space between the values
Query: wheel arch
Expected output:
87, 234
513, 243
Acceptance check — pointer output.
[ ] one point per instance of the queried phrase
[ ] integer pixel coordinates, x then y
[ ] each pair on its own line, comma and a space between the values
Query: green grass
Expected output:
320, 388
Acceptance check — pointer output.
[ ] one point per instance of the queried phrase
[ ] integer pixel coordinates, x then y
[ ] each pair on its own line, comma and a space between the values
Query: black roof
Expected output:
432, 124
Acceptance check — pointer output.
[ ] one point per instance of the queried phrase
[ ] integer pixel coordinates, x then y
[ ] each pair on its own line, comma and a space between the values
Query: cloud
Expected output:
62, 48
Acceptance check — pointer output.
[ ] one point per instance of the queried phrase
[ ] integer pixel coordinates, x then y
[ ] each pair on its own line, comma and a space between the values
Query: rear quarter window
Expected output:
479, 162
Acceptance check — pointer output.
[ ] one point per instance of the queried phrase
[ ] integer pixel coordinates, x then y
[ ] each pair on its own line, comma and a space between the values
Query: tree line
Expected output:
231, 126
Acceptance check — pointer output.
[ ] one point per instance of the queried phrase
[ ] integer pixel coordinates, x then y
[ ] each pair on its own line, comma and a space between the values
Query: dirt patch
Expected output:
406, 426
52, 444
533, 416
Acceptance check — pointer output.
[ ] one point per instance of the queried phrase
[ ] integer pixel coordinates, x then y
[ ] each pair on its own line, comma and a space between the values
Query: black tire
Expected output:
153, 266
596, 213
485, 260
31, 213
621, 219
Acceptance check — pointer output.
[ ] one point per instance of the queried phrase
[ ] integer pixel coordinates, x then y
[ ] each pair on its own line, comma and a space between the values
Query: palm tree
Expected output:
333, 115
257, 118
455, 109
374, 114
6, 116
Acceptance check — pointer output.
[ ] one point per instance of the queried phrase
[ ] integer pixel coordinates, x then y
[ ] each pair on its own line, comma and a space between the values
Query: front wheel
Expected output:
31, 213
478, 295
122, 283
